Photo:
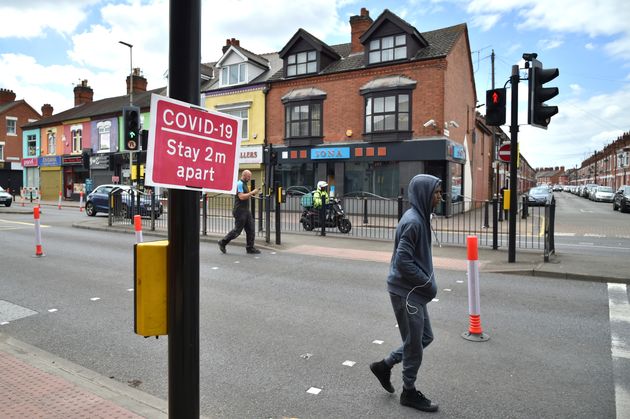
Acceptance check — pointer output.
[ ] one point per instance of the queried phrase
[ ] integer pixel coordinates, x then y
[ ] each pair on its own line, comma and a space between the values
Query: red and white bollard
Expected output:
38, 235
81, 201
23, 192
137, 226
474, 332
59, 202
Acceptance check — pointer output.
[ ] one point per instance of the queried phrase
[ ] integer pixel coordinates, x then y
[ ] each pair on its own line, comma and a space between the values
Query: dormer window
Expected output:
233, 74
301, 63
388, 48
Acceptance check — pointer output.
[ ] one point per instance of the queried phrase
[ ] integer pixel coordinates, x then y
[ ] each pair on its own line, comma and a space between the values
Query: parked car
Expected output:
98, 201
5, 197
539, 196
621, 200
603, 194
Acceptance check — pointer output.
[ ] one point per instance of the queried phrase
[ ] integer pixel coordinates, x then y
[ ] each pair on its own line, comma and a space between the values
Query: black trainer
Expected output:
253, 250
383, 373
222, 246
415, 399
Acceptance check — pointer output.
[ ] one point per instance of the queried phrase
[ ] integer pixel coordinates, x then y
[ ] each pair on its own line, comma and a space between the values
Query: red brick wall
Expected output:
13, 144
344, 105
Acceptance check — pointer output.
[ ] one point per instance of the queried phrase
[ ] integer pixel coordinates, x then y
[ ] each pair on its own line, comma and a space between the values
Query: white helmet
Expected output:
321, 184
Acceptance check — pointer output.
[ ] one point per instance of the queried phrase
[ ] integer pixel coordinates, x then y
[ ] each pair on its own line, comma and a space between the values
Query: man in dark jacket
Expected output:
411, 285
242, 215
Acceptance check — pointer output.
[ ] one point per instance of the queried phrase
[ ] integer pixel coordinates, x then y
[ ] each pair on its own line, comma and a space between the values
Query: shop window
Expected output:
11, 125
388, 48
296, 176
380, 178
31, 145
301, 63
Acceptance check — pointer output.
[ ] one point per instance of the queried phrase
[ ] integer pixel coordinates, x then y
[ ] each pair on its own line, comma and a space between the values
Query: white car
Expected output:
5, 197
603, 194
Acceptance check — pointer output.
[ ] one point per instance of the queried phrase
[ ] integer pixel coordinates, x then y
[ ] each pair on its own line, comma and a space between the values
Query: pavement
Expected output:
35, 383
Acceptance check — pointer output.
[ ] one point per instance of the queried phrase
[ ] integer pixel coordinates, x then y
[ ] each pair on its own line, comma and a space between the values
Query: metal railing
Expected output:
124, 204
371, 217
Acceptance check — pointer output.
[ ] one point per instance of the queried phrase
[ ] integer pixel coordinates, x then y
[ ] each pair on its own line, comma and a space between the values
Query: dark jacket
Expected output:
412, 261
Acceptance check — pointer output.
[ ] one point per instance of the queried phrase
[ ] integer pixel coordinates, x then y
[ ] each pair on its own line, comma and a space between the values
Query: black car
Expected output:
125, 200
621, 200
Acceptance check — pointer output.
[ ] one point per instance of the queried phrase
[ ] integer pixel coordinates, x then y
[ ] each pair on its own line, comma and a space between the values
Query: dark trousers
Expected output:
242, 220
416, 333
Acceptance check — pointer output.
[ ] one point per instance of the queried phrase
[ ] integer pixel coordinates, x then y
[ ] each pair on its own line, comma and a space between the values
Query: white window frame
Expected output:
239, 113
76, 134
104, 136
1, 150
31, 138
227, 72
380, 49
51, 141
14, 120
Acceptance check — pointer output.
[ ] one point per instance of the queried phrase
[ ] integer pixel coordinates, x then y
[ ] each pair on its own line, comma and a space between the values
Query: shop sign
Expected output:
48, 161
330, 153
456, 151
71, 160
30, 162
250, 155
99, 161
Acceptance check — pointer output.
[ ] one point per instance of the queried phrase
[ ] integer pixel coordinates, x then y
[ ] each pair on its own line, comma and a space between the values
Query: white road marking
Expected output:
3, 323
459, 281
564, 234
95, 298
594, 235
583, 210
447, 289
314, 390
214, 268
130, 289
52, 310
273, 253
349, 363
237, 261
619, 309
378, 342
435, 300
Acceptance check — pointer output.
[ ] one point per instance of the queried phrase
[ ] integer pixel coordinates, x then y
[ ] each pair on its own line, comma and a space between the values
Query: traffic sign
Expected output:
504, 152
192, 148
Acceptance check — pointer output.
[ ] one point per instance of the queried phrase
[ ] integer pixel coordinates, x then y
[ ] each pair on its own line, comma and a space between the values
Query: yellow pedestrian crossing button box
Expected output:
150, 288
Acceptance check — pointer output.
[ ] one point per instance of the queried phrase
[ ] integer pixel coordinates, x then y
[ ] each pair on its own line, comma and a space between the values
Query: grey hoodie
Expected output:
412, 261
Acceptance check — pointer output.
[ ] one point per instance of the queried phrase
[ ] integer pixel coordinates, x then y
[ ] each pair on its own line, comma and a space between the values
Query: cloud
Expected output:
575, 88
589, 46
485, 22
548, 44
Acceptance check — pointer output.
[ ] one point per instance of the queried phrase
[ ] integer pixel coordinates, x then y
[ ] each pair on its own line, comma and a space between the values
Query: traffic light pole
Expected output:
514, 80
183, 225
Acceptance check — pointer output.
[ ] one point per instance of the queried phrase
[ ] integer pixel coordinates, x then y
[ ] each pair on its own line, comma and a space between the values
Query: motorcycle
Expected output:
335, 217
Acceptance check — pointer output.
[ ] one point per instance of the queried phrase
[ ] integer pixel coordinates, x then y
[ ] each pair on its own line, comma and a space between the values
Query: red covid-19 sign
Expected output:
191, 148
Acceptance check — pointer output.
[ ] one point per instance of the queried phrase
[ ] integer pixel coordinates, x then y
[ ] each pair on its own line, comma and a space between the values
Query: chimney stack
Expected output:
47, 110
6, 96
358, 25
139, 82
83, 93
230, 42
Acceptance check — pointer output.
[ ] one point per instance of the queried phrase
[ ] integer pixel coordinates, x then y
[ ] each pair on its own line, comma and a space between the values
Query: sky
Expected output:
48, 46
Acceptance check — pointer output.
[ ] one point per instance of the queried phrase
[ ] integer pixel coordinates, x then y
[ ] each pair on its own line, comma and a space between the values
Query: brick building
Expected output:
13, 114
370, 114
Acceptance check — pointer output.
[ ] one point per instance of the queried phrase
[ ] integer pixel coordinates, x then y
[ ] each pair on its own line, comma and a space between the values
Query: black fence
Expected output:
363, 216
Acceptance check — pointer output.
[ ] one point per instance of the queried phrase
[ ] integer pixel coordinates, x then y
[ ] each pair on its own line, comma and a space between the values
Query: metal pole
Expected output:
183, 225
514, 80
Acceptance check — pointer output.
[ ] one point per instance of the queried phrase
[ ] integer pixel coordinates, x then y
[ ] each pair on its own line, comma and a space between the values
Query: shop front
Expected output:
31, 175
74, 177
382, 169
100, 172
50, 179
251, 158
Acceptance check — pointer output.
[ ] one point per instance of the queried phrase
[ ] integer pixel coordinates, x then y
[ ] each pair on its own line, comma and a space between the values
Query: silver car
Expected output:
603, 194
5, 198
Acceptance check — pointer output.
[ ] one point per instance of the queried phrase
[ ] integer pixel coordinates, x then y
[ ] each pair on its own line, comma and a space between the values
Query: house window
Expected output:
234, 74
11, 125
76, 132
388, 48
1, 151
244, 115
301, 63
51, 141
104, 128
31, 145
303, 119
387, 113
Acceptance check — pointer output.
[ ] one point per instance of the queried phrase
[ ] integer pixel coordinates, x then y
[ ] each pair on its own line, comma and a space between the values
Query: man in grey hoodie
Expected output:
411, 285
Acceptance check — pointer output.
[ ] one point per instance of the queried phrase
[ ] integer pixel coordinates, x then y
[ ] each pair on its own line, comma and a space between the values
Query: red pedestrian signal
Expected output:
495, 107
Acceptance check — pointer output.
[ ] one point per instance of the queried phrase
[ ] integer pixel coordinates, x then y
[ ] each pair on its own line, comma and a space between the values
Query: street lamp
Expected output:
130, 70
130, 97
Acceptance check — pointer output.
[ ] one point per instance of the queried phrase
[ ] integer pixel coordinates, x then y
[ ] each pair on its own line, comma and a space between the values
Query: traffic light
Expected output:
131, 127
85, 157
495, 107
539, 114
